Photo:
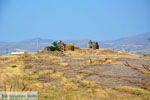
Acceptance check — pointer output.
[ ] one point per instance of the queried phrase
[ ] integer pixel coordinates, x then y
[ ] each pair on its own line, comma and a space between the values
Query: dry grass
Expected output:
99, 52
63, 64
27, 73
89, 84
57, 75
134, 91
97, 61
68, 83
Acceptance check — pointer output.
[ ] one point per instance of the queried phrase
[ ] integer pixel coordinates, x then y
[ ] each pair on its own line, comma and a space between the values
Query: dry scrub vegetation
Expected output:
83, 74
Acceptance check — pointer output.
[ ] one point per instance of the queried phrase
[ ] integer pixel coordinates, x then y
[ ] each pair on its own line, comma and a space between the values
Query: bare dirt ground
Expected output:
127, 71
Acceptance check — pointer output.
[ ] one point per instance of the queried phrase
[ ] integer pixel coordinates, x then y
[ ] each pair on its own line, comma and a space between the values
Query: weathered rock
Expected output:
93, 45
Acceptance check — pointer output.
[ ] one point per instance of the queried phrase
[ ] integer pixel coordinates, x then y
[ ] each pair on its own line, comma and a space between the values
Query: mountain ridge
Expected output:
137, 43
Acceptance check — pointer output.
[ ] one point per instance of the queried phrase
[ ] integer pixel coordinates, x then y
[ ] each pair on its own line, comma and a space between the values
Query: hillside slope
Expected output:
139, 42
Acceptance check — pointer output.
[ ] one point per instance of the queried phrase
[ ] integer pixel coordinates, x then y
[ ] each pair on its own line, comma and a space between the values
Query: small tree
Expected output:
54, 47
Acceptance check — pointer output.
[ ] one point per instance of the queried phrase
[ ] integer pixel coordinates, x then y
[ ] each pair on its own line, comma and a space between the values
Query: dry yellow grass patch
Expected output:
68, 84
8, 59
86, 83
98, 52
44, 74
57, 75
108, 61
132, 90
80, 77
97, 61
79, 52
47, 71
78, 59
12, 71
99, 93
63, 64
147, 72
123, 52
12, 79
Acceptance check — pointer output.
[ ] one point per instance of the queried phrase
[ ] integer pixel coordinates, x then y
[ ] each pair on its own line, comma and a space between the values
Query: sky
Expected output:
73, 19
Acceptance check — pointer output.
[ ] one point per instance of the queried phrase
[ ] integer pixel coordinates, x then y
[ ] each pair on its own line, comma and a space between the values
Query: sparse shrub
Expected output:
14, 66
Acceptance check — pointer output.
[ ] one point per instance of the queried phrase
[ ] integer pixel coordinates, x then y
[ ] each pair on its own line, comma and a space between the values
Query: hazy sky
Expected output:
73, 19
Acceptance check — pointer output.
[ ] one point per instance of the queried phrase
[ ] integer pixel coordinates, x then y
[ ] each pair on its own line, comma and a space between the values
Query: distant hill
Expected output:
139, 44
28, 45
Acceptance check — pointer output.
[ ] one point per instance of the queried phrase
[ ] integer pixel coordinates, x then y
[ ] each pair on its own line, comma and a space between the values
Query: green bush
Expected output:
54, 47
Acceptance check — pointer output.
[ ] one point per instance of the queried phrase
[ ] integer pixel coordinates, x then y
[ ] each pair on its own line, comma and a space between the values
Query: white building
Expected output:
18, 52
